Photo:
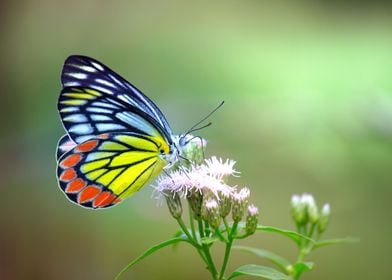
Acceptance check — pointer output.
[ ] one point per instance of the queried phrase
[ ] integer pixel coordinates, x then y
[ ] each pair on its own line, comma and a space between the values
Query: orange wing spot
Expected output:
87, 146
89, 193
103, 136
104, 199
117, 200
68, 175
75, 186
71, 160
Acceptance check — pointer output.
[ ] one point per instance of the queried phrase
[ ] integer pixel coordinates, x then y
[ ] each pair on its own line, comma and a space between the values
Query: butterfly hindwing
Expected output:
64, 145
103, 170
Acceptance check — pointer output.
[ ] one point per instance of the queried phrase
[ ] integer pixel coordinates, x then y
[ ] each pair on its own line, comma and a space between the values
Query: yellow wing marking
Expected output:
131, 157
112, 146
95, 174
93, 92
74, 102
123, 181
137, 142
79, 95
87, 167
109, 177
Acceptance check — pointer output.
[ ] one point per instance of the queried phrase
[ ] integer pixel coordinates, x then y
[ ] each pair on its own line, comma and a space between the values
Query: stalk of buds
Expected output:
305, 211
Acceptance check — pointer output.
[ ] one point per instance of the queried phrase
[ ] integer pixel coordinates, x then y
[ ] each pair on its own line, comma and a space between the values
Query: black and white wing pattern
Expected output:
96, 100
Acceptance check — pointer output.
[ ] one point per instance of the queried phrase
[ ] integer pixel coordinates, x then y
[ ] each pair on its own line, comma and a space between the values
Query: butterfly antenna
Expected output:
193, 128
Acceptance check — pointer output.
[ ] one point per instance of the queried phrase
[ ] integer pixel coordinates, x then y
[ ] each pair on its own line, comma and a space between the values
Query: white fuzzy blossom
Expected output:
218, 168
253, 210
208, 176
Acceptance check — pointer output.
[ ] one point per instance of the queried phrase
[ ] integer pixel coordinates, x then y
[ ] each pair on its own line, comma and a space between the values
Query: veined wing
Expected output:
86, 72
104, 170
87, 112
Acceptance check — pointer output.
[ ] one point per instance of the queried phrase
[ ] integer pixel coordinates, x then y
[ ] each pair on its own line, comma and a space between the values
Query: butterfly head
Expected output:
185, 147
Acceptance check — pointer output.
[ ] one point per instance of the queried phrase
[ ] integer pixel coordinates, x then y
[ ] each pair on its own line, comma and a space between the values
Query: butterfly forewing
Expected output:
103, 170
87, 112
86, 72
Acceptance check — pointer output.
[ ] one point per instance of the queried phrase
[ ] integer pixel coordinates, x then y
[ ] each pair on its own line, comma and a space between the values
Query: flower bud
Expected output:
193, 148
174, 204
311, 208
324, 218
195, 199
252, 219
298, 210
240, 202
225, 203
210, 213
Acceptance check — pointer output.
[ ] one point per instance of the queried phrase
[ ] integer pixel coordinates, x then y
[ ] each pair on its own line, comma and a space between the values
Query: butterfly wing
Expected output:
103, 170
88, 82
64, 145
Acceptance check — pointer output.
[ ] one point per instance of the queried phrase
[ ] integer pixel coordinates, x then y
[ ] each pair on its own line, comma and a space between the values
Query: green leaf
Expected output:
150, 251
296, 237
335, 241
259, 271
279, 261
302, 267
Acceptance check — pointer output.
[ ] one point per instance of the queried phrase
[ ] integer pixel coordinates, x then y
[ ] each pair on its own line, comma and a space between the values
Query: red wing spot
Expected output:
75, 186
68, 175
89, 193
103, 136
87, 146
71, 160
104, 199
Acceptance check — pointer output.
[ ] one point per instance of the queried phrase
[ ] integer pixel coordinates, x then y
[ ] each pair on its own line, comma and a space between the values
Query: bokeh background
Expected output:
308, 91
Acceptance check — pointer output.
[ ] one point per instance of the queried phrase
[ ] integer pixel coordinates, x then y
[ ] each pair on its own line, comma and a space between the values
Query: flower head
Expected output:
252, 219
207, 177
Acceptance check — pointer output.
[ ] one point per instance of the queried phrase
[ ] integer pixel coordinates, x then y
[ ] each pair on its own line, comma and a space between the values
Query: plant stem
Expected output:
192, 239
206, 250
228, 250
192, 222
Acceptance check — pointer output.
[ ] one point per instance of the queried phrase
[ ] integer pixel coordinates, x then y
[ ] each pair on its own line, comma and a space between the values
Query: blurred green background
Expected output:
308, 91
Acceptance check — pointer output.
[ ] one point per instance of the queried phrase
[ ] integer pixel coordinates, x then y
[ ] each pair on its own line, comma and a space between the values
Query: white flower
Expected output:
253, 210
308, 200
218, 168
326, 210
211, 204
208, 176
242, 195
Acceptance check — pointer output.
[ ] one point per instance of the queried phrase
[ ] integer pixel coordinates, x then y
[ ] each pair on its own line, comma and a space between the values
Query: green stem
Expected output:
226, 226
206, 250
311, 231
231, 237
192, 222
220, 235
193, 239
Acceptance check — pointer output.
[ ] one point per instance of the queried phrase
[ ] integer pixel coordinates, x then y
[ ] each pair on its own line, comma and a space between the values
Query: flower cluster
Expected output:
208, 194
305, 212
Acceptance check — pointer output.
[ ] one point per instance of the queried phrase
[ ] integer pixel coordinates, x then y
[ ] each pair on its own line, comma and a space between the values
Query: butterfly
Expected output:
117, 138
